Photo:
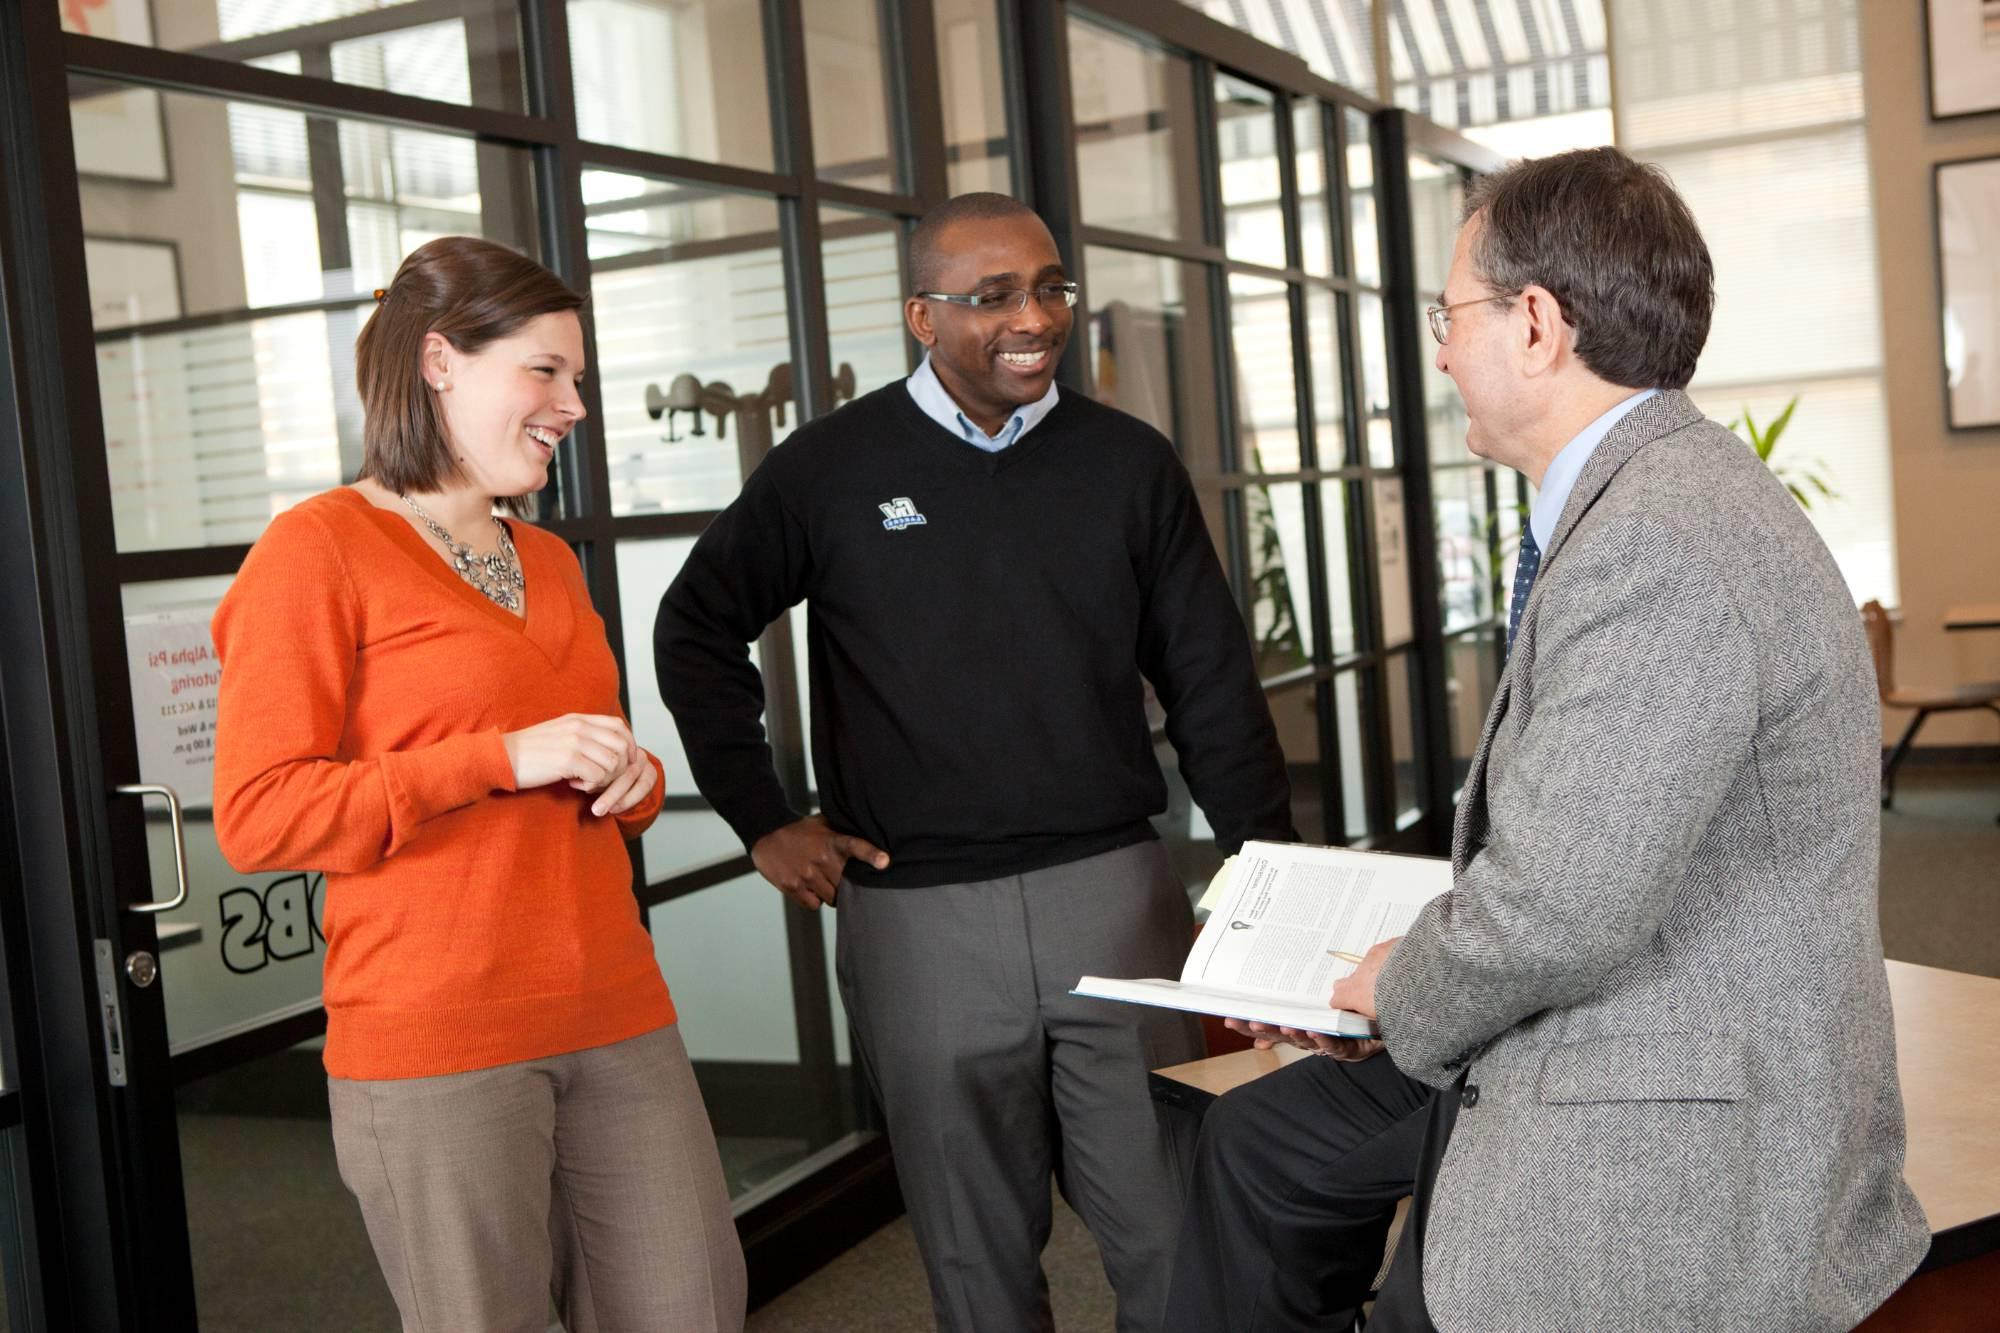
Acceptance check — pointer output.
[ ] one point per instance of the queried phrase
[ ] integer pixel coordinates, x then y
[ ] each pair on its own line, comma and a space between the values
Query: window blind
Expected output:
1754, 108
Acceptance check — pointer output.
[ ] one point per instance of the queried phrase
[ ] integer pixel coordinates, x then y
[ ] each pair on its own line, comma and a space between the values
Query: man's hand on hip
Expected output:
806, 859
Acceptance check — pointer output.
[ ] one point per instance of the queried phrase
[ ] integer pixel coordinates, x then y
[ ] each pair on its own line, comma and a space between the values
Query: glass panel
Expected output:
243, 948
277, 1240
1475, 674
1403, 739
1135, 135
1464, 579
1183, 828
694, 345
1296, 713
1329, 386
971, 76
688, 832
843, 1038
397, 45
1361, 200
1309, 153
724, 953
863, 259
1152, 348
213, 427
1437, 190
800, 618
1253, 210
1334, 39
1267, 403
1392, 560
1280, 615
1379, 434
1437, 193
848, 90
1353, 757
1508, 518
1445, 422
1340, 560
14, 1205
682, 77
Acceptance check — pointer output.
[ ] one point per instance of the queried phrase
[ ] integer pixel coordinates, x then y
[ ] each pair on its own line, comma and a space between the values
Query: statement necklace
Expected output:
496, 575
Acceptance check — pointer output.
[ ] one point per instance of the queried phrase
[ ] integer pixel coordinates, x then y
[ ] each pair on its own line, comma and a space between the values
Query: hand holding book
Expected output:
1285, 923
1354, 993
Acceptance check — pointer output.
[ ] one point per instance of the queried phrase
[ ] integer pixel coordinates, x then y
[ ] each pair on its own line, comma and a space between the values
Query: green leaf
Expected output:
1777, 426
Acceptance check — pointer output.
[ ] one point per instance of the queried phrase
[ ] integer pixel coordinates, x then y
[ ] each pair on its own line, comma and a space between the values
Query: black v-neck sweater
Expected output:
981, 628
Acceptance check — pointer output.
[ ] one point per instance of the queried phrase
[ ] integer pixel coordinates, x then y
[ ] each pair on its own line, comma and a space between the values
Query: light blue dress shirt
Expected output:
1558, 481
930, 394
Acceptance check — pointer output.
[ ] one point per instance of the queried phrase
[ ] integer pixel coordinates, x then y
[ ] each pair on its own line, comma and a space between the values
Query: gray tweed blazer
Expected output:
1659, 962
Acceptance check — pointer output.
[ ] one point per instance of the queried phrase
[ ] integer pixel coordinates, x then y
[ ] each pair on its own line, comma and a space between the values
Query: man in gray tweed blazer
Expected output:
1641, 1072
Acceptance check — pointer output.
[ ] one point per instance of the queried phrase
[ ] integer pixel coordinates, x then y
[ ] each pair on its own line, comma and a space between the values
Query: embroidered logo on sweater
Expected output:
900, 513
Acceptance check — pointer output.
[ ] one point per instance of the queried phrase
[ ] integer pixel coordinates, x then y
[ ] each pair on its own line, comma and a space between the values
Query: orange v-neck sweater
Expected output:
365, 689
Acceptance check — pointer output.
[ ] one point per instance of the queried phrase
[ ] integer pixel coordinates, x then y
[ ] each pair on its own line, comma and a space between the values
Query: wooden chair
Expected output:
1882, 643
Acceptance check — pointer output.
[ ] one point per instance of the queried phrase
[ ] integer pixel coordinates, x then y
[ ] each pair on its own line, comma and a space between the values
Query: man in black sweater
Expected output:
993, 572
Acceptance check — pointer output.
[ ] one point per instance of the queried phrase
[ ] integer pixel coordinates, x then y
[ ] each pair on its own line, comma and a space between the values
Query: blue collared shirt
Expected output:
1557, 482
931, 395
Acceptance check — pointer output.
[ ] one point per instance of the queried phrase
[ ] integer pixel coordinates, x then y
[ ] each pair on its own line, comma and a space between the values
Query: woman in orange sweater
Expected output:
418, 699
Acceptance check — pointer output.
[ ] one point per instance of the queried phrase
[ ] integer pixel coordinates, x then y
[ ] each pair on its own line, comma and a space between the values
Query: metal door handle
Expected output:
180, 844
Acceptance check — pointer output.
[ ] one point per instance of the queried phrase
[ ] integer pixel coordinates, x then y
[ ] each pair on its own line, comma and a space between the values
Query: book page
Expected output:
1285, 910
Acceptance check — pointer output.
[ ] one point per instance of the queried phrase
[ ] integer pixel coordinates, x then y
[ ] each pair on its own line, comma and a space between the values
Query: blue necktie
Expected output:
1524, 579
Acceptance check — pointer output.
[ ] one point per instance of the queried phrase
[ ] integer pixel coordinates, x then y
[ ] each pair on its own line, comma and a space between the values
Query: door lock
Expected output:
142, 967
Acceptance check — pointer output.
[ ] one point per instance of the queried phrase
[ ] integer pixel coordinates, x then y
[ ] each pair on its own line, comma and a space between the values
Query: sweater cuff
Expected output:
761, 813
454, 772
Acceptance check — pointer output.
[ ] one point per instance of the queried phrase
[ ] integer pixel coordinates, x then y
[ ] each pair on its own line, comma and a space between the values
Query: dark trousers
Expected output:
1297, 1176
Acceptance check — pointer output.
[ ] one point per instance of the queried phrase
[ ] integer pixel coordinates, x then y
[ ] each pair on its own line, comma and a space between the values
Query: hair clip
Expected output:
381, 292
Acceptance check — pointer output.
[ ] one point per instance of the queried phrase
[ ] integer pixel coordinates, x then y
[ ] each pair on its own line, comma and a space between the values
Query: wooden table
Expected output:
1948, 1058
1948, 1061
1973, 615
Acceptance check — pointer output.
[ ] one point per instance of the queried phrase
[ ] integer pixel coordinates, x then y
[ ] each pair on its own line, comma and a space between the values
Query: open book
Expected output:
1279, 916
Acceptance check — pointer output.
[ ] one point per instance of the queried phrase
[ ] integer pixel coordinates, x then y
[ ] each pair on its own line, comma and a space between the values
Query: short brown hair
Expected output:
1617, 247
472, 291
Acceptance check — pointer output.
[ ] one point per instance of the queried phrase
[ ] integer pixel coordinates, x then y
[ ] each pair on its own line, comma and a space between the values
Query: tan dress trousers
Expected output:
591, 1177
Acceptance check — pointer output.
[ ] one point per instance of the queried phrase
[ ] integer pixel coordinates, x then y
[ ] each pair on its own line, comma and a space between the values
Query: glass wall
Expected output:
1478, 506
233, 240
13, 1247
1233, 271
732, 183
678, 79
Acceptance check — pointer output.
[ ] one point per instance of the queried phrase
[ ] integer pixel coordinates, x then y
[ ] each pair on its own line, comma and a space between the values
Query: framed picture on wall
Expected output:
1963, 37
1968, 223
132, 281
120, 132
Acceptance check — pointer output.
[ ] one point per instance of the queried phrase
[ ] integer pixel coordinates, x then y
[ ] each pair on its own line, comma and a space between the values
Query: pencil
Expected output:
1346, 957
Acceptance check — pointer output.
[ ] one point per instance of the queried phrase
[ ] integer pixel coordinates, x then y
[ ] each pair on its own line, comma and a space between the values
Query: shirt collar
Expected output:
1553, 493
937, 403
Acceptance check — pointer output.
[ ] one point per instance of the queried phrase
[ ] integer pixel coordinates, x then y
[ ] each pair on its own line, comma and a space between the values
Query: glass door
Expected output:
217, 252
216, 190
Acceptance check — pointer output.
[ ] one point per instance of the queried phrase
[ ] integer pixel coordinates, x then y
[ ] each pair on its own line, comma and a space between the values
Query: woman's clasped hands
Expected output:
589, 751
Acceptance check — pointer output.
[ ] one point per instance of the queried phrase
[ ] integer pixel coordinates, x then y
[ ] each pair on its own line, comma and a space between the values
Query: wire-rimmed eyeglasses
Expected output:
1440, 315
997, 301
